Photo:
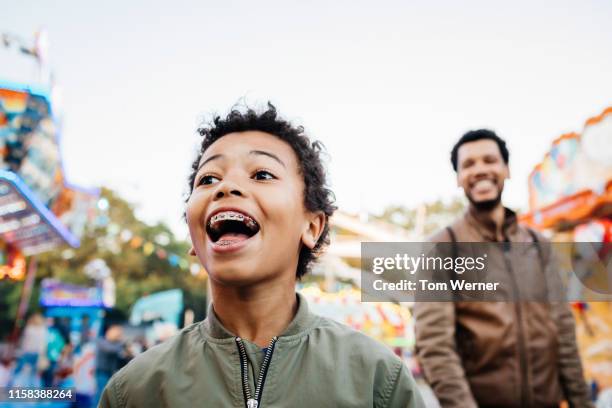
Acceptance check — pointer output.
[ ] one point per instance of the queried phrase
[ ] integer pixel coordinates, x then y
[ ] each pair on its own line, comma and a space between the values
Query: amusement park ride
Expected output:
39, 209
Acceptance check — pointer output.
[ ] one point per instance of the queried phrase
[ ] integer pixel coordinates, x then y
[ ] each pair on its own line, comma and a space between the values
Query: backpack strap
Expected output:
453, 238
536, 241
455, 255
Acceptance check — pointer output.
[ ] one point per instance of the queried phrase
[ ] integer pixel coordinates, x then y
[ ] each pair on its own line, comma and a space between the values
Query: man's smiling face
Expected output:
481, 172
246, 213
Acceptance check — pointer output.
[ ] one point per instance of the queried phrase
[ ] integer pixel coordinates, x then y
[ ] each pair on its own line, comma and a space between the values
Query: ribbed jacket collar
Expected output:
302, 321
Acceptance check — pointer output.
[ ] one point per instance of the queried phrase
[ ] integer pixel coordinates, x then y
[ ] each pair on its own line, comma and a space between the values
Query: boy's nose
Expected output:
227, 188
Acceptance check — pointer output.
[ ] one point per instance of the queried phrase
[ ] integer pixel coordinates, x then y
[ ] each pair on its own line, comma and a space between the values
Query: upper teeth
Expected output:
230, 215
484, 182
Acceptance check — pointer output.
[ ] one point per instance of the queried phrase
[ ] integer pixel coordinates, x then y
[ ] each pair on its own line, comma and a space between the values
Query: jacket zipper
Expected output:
253, 401
525, 400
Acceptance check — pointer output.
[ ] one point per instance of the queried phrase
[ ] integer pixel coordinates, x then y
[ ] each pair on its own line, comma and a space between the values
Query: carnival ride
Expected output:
571, 198
40, 210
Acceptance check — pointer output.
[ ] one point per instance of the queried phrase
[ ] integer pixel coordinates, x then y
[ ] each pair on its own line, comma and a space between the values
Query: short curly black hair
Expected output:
479, 134
317, 195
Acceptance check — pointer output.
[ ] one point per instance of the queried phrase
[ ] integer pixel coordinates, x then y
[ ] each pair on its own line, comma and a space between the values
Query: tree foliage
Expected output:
116, 236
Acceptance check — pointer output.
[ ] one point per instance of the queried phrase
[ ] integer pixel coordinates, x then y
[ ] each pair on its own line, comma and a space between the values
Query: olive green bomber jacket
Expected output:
316, 362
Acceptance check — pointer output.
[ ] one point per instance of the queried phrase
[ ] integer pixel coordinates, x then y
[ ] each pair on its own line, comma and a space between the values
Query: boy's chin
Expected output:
236, 276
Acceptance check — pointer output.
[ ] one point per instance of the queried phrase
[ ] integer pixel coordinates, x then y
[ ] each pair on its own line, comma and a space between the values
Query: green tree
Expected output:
117, 237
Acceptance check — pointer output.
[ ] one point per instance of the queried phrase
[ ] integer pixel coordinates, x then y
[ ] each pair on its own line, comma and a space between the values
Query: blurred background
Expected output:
99, 106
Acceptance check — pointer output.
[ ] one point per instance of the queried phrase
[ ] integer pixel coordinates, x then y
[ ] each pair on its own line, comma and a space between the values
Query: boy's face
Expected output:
481, 171
246, 213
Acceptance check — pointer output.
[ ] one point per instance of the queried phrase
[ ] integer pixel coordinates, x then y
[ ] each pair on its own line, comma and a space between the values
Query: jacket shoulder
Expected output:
529, 232
149, 368
392, 382
442, 235
369, 350
174, 348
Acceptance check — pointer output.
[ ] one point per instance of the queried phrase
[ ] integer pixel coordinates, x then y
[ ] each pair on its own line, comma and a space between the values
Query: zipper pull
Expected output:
252, 403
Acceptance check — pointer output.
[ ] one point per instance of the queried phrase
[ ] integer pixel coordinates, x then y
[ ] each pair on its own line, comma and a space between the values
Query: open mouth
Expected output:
483, 184
228, 227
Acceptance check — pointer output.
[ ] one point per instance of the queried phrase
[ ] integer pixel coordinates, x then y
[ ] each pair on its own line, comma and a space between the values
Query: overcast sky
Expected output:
388, 86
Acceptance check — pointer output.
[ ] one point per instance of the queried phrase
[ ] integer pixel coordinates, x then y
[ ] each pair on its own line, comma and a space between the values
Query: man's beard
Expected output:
486, 205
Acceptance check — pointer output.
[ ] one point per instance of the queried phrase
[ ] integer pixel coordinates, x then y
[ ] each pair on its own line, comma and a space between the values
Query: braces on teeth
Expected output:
232, 216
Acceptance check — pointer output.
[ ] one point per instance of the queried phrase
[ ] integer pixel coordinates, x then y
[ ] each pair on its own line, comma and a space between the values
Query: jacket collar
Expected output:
487, 228
302, 320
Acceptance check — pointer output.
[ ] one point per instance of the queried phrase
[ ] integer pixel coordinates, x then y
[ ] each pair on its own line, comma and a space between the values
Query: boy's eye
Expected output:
263, 175
208, 179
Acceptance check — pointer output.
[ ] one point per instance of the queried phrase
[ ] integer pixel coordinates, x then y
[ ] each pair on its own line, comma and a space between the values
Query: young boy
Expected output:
258, 214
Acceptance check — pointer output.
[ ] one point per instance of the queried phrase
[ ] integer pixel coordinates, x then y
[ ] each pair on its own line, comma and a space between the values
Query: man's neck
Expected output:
496, 215
256, 313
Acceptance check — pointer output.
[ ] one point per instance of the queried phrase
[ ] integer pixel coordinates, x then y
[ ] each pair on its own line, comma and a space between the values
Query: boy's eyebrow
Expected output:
273, 156
259, 152
213, 157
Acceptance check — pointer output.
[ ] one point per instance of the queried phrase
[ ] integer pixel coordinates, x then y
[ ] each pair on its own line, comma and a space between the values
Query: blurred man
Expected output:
496, 354
109, 355
55, 344
33, 353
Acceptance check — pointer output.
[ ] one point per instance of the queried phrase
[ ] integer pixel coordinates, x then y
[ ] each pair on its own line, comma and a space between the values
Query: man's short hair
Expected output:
479, 134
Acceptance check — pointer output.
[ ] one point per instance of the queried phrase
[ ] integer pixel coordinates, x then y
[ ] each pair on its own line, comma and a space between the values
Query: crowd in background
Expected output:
45, 354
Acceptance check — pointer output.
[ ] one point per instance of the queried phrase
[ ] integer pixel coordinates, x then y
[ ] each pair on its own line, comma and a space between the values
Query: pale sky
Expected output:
388, 86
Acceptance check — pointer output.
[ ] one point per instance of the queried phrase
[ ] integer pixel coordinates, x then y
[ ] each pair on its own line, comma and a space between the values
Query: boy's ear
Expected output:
191, 251
313, 229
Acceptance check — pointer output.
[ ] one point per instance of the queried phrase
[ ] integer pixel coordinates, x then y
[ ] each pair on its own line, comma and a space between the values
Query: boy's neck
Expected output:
256, 313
